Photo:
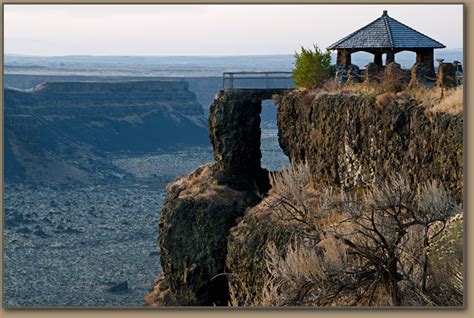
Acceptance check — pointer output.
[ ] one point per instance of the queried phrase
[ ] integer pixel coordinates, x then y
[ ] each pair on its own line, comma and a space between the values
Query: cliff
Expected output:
354, 139
216, 225
352, 142
205, 204
66, 127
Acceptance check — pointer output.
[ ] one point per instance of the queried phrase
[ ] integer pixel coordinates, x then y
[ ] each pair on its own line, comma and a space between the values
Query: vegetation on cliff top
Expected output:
434, 100
311, 67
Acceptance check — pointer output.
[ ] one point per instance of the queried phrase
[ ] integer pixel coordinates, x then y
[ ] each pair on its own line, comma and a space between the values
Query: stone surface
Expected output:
341, 74
234, 130
392, 70
211, 225
420, 75
446, 75
353, 74
201, 208
194, 224
348, 137
371, 73
247, 252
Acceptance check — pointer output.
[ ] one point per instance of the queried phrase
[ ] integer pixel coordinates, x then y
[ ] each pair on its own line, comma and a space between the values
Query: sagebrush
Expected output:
393, 243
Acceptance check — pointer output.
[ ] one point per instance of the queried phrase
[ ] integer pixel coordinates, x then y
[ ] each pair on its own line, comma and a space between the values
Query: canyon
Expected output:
62, 131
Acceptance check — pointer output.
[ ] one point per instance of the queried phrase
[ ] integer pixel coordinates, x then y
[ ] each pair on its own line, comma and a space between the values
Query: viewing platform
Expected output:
273, 80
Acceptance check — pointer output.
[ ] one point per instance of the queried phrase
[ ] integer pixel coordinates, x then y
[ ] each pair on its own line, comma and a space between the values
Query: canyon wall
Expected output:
350, 140
64, 128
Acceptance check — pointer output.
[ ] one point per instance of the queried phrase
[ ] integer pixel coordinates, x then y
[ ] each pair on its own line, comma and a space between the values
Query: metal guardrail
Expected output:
229, 78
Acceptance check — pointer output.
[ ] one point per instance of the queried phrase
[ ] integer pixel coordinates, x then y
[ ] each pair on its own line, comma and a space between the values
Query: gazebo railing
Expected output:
257, 80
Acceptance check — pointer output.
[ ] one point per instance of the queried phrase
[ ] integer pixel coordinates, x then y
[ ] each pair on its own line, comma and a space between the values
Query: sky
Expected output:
212, 30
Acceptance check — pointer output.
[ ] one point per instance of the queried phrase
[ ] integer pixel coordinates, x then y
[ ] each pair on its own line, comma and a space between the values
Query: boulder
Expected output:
353, 74
420, 75
341, 74
371, 73
119, 288
446, 75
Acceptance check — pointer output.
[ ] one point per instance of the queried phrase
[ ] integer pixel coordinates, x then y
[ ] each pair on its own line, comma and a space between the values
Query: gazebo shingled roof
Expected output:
386, 35
386, 32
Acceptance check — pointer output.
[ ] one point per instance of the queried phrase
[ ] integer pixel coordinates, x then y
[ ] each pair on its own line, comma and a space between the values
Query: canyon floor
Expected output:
95, 245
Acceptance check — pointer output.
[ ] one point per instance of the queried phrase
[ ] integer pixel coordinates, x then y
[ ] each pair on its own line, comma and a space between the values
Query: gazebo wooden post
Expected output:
390, 57
378, 58
344, 57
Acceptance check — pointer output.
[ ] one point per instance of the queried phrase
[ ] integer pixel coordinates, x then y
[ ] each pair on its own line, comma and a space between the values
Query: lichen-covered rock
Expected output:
201, 208
350, 140
372, 73
446, 75
419, 75
194, 224
234, 130
341, 74
353, 74
214, 227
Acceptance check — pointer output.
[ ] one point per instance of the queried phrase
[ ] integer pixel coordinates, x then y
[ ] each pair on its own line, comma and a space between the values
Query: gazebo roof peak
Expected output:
386, 33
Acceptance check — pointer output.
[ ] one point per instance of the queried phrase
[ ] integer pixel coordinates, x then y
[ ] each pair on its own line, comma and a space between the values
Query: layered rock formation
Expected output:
348, 139
64, 126
352, 139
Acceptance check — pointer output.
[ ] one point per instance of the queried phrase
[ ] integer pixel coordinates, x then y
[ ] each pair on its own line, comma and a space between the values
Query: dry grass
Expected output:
446, 253
199, 184
452, 102
366, 249
385, 99
437, 100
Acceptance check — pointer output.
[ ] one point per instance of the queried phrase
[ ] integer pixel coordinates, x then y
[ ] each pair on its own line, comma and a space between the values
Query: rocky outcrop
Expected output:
351, 139
246, 252
214, 228
194, 223
201, 208
348, 141
58, 124
234, 128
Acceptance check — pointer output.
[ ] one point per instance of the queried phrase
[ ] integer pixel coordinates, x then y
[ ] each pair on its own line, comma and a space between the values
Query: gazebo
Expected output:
386, 35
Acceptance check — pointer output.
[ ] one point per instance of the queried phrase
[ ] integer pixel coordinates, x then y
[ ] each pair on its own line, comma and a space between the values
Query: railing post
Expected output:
266, 81
231, 80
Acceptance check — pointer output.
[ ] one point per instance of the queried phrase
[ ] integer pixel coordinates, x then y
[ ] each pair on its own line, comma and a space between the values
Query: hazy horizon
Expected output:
175, 56
207, 30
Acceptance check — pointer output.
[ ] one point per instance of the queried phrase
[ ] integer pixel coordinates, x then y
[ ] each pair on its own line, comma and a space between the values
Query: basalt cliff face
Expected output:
213, 227
200, 208
350, 140
57, 131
